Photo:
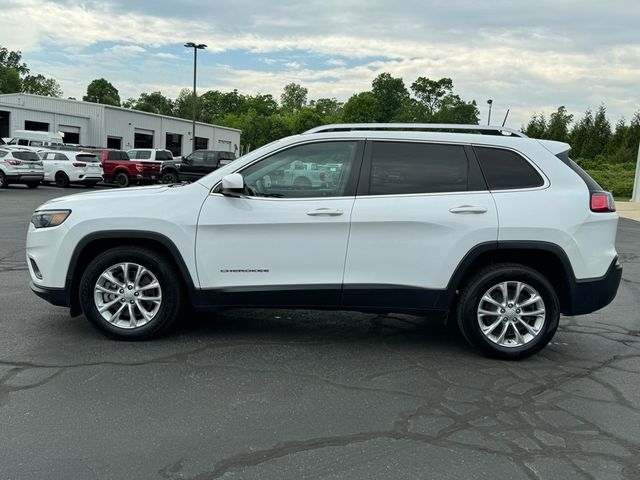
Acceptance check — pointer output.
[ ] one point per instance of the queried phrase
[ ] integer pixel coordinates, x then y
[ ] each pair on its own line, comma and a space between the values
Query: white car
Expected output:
66, 167
497, 232
18, 165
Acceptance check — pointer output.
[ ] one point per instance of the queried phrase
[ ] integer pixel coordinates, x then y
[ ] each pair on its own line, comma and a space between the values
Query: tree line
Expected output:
264, 118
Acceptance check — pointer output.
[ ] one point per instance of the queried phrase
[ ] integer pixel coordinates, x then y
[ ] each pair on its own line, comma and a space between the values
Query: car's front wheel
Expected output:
130, 293
169, 177
508, 311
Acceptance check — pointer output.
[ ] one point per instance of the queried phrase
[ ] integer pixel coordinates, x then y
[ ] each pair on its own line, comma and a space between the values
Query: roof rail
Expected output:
449, 127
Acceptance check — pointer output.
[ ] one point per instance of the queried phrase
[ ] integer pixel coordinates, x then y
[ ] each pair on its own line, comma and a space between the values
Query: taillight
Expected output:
602, 202
139, 167
323, 176
12, 162
80, 165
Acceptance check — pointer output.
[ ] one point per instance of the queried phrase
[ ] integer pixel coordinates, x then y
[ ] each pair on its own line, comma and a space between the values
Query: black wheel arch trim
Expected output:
457, 279
71, 282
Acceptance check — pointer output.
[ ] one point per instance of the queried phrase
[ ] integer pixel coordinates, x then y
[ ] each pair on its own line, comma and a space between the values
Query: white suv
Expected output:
67, 167
495, 231
18, 165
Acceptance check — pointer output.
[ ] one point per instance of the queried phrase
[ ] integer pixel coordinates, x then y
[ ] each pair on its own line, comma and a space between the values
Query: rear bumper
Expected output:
25, 177
55, 296
593, 294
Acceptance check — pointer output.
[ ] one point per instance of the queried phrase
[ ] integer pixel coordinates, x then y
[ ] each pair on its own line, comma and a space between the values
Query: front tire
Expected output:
131, 293
169, 177
508, 311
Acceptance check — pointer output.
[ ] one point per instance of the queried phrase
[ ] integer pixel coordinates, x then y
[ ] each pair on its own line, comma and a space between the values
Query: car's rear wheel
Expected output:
122, 180
33, 184
90, 184
508, 311
62, 180
3, 180
130, 293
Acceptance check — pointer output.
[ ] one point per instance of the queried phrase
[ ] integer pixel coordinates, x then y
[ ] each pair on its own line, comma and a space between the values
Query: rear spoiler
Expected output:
559, 149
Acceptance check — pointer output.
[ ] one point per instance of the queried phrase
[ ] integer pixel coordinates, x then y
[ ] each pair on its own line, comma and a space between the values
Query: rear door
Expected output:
420, 208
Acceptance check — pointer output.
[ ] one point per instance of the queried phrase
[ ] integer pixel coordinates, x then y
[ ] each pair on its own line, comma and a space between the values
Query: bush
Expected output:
615, 178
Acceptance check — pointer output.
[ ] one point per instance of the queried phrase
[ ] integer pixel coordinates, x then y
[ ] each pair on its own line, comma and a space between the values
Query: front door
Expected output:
284, 243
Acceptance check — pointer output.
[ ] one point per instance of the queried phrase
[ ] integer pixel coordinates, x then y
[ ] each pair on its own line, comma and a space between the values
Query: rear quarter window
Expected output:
506, 170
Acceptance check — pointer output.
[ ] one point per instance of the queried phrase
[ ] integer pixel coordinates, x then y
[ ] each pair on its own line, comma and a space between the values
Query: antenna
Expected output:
505, 117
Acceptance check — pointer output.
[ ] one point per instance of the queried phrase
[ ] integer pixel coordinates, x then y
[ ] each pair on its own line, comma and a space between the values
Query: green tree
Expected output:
537, 126
101, 91
154, 102
362, 107
9, 80
293, 98
328, 108
391, 95
455, 110
558, 127
431, 94
11, 59
184, 106
306, 119
40, 85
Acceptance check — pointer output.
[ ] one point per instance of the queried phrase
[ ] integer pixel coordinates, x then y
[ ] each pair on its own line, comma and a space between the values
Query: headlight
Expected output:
49, 218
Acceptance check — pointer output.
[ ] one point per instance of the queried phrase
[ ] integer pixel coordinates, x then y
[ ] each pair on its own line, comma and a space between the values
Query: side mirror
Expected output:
233, 185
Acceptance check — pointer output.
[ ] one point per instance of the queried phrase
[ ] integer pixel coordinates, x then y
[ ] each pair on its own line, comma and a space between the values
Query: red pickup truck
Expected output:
122, 171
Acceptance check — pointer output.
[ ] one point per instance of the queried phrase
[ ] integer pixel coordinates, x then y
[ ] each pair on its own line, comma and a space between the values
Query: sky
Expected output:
529, 57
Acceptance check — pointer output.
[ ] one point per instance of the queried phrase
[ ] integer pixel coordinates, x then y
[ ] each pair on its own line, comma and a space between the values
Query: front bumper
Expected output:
593, 294
55, 296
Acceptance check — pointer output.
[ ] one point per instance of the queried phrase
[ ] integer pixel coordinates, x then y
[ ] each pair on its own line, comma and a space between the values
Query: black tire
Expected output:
122, 180
62, 180
90, 184
302, 182
3, 180
33, 185
169, 177
481, 283
164, 272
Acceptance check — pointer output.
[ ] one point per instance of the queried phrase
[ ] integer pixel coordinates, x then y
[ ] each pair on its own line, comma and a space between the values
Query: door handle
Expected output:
468, 209
331, 212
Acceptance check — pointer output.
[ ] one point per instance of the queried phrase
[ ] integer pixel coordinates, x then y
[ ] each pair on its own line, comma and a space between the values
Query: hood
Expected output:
132, 194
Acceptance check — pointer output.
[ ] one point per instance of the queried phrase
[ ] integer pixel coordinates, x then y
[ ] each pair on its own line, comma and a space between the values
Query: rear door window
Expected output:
506, 170
403, 168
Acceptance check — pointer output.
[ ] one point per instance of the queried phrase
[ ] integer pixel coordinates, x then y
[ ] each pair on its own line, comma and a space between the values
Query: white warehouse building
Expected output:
98, 125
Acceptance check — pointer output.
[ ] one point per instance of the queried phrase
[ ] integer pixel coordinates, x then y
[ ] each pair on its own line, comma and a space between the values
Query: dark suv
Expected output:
195, 165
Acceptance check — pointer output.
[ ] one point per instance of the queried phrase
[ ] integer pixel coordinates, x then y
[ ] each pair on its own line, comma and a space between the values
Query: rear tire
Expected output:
90, 184
122, 180
3, 180
33, 185
508, 326
62, 180
104, 286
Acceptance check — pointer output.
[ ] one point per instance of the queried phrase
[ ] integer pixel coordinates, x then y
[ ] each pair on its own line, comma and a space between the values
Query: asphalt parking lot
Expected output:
263, 394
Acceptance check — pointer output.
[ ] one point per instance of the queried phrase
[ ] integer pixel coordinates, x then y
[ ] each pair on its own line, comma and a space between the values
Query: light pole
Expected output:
490, 102
196, 47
